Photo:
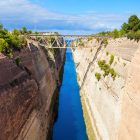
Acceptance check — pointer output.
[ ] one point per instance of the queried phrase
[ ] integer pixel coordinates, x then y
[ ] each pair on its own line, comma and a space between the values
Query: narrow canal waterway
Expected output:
70, 122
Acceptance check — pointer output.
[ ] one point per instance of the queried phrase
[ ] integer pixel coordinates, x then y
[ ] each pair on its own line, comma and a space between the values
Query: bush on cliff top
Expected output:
10, 41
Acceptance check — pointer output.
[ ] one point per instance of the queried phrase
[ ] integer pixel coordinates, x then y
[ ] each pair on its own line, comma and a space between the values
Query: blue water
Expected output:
70, 122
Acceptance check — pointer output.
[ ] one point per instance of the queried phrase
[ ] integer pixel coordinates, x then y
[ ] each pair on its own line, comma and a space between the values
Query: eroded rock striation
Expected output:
108, 76
28, 92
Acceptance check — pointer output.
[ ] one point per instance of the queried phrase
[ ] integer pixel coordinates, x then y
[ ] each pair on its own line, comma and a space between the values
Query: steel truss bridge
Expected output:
61, 41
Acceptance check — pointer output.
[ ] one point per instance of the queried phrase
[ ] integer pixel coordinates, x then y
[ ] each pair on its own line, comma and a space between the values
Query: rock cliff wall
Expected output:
130, 122
105, 101
28, 92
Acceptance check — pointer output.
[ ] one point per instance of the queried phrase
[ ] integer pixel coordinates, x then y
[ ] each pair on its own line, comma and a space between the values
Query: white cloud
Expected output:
18, 13
23, 9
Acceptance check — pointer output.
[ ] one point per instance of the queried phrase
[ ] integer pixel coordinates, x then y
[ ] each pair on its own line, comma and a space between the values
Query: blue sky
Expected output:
79, 6
73, 16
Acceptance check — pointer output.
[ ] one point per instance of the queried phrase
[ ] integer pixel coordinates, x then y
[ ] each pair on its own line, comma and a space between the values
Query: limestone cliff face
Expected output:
107, 101
28, 93
130, 115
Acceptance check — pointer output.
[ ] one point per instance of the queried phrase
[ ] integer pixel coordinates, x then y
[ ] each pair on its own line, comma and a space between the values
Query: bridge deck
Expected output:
68, 36
60, 41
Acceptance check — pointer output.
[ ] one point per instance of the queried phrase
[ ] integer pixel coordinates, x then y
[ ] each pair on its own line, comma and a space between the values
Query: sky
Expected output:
67, 16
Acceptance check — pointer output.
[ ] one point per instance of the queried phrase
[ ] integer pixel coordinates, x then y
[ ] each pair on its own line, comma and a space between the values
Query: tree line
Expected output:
131, 29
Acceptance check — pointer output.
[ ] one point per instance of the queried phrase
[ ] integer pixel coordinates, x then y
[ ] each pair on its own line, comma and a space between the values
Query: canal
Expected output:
70, 122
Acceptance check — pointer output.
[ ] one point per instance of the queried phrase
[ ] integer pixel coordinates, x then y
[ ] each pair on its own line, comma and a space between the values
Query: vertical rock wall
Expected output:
130, 115
103, 99
28, 93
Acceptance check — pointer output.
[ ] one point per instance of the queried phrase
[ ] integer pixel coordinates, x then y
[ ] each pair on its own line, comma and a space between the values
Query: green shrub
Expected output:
106, 72
10, 41
113, 73
130, 35
90, 38
107, 53
133, 23
98, 40
125, 27
124, 64
101, 63
104, 67
3, 45
115, 33
137, 35
98, 76
111, 59
80, 41
18, 61
134, 35
122, 33
105, 42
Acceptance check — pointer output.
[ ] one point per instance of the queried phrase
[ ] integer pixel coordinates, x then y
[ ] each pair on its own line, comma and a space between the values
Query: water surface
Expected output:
70, 122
